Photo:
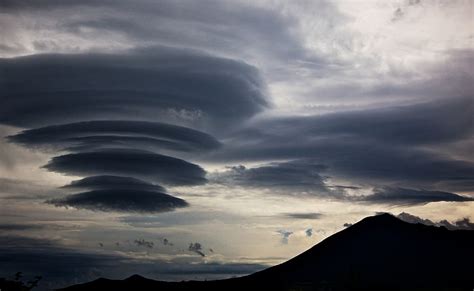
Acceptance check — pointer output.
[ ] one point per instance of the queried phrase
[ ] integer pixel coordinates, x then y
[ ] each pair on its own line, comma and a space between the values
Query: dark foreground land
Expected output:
378, 253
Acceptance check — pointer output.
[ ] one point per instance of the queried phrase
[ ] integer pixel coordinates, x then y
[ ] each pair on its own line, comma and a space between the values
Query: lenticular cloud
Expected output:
124, 121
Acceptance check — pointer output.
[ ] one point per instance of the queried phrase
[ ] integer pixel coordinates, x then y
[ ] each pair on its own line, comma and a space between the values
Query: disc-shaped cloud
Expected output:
113, 182
165, 84
134, 163
121, 201
89, 135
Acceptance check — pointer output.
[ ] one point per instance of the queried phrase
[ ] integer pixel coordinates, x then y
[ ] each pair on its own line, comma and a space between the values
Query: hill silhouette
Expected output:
378, 253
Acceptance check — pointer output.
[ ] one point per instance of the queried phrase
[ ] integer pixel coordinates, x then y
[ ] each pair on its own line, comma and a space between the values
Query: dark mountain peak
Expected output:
383, 216
382, 219
385, 222
101, 280
135, 277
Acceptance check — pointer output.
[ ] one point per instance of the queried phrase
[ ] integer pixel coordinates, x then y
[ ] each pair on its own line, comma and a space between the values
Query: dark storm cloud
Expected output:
142, 164
113, 182
403, 196
120, 200
301, 175
105, 133
464, 223
159, 84
398, 144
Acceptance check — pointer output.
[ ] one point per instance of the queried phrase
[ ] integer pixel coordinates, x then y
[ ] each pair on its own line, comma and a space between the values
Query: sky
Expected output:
209, 139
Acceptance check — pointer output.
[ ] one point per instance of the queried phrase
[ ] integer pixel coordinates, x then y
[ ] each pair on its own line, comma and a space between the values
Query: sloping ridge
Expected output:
378, 253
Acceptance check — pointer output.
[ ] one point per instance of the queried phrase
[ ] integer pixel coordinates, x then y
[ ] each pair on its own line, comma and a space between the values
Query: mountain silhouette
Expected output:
378, 253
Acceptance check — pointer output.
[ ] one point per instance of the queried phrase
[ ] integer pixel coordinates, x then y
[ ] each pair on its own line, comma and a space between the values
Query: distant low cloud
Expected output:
127, 162
464, 223
144, 243
139, 201
196, 248
285, 235
404, 196
303, 215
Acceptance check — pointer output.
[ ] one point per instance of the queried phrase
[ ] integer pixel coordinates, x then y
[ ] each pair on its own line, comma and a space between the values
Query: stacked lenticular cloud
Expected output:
125, 122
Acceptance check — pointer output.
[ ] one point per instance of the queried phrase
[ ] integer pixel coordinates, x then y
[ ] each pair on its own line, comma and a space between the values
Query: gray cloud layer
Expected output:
298, 176
403, 145
425, 123
224, 28
135, 163
304, 176
402, 196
